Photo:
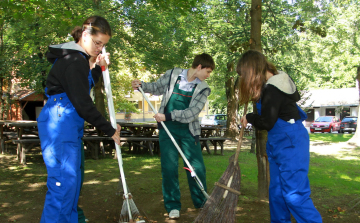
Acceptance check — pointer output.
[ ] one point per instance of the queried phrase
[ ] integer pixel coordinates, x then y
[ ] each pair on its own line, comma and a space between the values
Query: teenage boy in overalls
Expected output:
184, 94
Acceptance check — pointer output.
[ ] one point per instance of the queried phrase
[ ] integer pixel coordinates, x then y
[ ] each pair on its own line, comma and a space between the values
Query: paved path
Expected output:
341, 150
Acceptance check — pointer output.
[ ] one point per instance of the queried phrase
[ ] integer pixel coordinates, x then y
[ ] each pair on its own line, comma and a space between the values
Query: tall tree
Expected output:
356, 138
261, 135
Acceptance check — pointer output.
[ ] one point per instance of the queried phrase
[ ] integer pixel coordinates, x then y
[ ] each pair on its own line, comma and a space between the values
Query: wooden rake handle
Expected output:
240, 139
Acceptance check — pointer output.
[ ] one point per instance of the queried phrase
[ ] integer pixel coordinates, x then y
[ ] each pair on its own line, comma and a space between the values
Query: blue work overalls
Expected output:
287, 148
60, 131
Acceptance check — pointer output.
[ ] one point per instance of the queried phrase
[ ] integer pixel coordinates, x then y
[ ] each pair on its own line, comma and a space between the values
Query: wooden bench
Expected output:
150, 143
22, 149
95, 143
7, 138
133, 141
214, 141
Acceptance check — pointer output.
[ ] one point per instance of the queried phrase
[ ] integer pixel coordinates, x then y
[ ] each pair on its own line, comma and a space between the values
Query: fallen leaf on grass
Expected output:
340, 210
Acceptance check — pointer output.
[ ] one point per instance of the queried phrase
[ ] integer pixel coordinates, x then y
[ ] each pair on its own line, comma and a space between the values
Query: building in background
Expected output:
333, 102
25, 105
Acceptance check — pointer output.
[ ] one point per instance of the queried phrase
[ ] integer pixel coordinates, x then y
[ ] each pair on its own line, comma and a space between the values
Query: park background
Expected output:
315, 42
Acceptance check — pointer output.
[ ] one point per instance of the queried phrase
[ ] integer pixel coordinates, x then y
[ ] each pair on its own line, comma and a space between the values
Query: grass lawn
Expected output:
334, 180
324, 137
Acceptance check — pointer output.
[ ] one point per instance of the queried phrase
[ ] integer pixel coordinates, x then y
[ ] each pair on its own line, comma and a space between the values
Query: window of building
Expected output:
139, 105
310, 115
330, 112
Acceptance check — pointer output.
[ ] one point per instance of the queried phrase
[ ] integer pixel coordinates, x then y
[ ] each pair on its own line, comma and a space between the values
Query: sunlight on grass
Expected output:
29, 175
147, 167
345, 177
5, 205
89, 182
340, 177
316, 137
13, 168
89, 171
3, 183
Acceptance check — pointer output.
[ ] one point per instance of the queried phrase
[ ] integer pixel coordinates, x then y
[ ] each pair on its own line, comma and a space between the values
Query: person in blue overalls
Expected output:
184, 94
61, 121
287, 146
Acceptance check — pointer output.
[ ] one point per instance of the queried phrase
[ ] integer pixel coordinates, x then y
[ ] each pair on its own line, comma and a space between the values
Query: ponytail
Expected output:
76, 33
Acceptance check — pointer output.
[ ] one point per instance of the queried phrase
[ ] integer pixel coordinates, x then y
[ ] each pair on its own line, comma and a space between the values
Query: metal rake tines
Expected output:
129, 207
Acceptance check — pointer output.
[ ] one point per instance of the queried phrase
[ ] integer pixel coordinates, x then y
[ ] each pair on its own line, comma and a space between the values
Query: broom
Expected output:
129, 211
220, 207
189, 167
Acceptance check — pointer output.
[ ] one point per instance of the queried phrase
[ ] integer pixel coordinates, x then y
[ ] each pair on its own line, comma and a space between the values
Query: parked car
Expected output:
325, 124
348, 124
216, 119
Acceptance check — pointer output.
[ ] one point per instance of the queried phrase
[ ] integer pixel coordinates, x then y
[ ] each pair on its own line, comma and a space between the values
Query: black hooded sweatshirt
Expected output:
278, 100
69, 74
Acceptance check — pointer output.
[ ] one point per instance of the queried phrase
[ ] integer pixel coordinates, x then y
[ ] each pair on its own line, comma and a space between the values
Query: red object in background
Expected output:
325, 124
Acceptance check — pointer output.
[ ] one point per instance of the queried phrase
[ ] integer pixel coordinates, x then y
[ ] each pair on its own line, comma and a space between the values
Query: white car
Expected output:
217, 119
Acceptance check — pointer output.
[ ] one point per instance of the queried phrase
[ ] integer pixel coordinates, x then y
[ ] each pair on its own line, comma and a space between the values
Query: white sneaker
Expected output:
174, 214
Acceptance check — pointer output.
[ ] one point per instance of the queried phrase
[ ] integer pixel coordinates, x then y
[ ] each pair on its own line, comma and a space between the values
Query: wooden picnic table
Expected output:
3, 124
143, 129
146, 133
213, 134
25, 130
141, 137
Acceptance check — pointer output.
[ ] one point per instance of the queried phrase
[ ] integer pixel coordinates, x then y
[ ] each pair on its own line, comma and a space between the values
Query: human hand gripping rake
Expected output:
189, 167
129, 211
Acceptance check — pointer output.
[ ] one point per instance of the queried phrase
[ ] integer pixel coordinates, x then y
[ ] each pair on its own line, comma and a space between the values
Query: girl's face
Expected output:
93, 44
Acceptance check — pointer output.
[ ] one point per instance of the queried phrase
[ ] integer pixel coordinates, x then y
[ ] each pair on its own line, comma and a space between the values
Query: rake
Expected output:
221, 206
129, 211
189, 167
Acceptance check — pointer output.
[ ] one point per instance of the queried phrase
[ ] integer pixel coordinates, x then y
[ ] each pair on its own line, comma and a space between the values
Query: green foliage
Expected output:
316, 42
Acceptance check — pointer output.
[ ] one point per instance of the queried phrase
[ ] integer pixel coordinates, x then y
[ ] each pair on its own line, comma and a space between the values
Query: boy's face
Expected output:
204, 73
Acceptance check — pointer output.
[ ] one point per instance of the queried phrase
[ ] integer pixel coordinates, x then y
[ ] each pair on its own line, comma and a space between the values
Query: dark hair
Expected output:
252, 68
92, 25
205, 60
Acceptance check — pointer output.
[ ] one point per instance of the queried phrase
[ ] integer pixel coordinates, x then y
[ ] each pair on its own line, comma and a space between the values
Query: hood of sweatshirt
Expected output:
284, 83
61, 50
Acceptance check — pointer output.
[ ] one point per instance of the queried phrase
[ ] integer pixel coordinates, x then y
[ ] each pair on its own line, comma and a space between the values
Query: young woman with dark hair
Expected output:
287, 146
61, 121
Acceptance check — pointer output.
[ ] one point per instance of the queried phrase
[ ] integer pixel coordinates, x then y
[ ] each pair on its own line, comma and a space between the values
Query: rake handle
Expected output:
238, 149
107, 86
192, 171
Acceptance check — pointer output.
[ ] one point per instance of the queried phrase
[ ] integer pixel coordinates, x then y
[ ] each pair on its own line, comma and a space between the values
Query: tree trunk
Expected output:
255, 34
253, 138
261, 136
263, 165
99, 96
2, 101
356, 138
232, 94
